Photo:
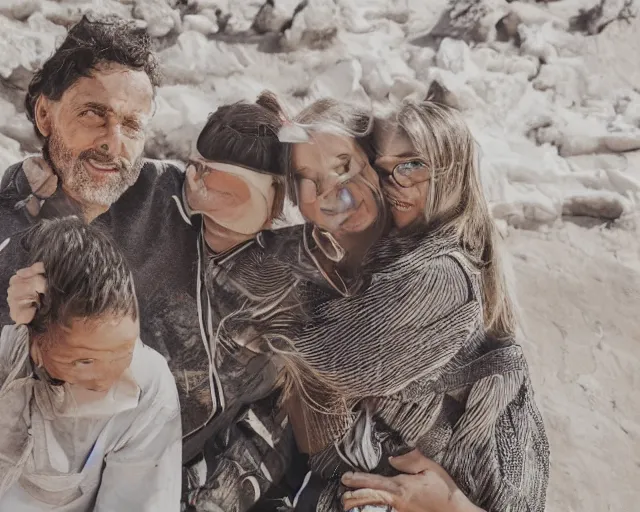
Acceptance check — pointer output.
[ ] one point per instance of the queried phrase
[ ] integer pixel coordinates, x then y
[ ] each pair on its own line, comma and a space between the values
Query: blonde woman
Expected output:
424, 357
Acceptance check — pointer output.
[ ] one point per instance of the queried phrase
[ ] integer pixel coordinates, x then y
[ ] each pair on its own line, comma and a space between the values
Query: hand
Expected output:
200, 198
42, 180
195, 190
24, 292
425, 487
40, 176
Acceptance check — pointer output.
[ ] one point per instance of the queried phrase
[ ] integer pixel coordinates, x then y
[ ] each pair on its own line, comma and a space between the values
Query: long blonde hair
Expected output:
456, 202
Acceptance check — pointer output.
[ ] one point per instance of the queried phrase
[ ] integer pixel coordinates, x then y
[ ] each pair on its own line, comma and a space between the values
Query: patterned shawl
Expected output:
411, 364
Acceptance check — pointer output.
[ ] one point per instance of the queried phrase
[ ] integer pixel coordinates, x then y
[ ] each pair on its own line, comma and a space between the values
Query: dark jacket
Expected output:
166, 253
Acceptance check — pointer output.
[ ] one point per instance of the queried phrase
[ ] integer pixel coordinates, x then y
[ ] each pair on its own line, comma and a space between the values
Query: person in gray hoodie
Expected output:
91, 418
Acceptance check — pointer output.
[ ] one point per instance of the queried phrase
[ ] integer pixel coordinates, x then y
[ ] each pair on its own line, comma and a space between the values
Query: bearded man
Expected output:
91, 105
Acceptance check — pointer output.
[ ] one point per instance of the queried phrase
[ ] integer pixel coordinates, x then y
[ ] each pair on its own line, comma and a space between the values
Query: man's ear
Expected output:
43, 115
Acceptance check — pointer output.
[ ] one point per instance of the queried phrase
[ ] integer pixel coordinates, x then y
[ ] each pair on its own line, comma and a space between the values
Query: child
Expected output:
90, 416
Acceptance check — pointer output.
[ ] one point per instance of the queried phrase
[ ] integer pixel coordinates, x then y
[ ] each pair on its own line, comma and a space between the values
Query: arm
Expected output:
519, 474
519, 482
436, 300
145, 473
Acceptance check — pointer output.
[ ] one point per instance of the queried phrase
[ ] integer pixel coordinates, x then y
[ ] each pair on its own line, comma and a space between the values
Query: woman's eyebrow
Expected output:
406, 154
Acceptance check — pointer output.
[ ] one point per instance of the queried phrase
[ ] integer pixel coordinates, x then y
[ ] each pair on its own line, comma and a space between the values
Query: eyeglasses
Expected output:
410, 173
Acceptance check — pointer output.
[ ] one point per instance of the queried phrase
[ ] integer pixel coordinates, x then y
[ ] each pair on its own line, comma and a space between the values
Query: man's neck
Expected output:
90, 213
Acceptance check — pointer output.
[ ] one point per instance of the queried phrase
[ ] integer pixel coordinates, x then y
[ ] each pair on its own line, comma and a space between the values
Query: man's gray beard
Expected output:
78, 181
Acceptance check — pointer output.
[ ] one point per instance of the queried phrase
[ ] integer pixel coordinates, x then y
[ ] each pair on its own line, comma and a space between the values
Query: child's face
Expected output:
336, 186
232, 199
92, 354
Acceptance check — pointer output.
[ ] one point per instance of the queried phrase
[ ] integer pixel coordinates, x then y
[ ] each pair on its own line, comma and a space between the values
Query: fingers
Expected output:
35, 269
191, 173
362, 497
23, 287
23, 312
40, 176
370, 481
23, 295
413, 463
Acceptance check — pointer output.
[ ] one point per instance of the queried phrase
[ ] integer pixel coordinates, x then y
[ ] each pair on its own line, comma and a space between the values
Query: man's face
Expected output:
90, 353
95, 133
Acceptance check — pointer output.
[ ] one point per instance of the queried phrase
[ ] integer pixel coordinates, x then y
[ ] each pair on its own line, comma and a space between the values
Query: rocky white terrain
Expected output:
552, 92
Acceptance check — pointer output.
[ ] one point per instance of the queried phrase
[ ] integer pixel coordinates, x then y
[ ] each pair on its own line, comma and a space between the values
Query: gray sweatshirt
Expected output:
75, 450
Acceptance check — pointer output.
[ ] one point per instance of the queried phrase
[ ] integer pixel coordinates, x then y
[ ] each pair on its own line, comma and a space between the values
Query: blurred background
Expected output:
551, 90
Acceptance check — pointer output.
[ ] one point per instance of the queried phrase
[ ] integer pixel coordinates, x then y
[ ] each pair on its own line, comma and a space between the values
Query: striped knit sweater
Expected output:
412, 364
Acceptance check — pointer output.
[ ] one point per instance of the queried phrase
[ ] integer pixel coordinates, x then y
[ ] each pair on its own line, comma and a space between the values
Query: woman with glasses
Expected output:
422, 353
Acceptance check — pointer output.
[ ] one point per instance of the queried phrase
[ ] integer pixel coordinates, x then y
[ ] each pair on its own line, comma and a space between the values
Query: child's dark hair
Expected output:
87, 276
246, 134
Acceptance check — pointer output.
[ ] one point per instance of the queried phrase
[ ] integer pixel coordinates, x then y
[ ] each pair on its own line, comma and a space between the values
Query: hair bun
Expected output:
269, 101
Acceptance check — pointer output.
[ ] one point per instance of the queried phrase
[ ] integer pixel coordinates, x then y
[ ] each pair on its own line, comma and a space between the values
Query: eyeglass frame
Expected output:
394, 173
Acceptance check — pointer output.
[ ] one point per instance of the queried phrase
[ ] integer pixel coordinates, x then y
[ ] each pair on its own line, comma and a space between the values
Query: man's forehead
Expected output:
116, 87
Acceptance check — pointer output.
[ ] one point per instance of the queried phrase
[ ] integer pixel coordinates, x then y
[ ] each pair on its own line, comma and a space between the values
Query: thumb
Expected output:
192, 176
412, 463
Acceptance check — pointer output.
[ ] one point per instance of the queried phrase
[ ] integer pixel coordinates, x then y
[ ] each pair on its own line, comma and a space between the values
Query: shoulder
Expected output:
161, 173
446, 265
168, 169
157, 385
453, 270
156, 176
14, 349
9, 176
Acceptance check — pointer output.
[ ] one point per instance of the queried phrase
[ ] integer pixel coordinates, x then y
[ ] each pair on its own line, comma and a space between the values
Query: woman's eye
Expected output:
408, 167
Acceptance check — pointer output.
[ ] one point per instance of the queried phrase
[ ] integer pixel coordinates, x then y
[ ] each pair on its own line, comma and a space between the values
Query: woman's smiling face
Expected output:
335, 184
405, 177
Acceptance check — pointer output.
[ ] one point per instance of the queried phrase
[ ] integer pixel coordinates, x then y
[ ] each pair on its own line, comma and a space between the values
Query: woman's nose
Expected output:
339, 202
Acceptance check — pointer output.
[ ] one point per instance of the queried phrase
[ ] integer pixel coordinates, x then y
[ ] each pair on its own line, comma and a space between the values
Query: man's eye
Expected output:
133, 127
83, 362
90, 113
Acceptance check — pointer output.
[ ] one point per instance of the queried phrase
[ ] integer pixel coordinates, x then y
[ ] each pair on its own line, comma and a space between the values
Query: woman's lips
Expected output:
399, 205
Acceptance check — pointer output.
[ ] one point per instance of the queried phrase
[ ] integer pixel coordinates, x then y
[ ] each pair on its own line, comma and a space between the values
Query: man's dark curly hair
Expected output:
87, 45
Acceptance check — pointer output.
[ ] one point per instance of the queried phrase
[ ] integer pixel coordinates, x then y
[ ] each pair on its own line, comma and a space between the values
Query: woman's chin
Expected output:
403, 219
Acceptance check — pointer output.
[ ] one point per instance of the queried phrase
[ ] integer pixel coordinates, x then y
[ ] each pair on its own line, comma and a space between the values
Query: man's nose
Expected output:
110, 142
